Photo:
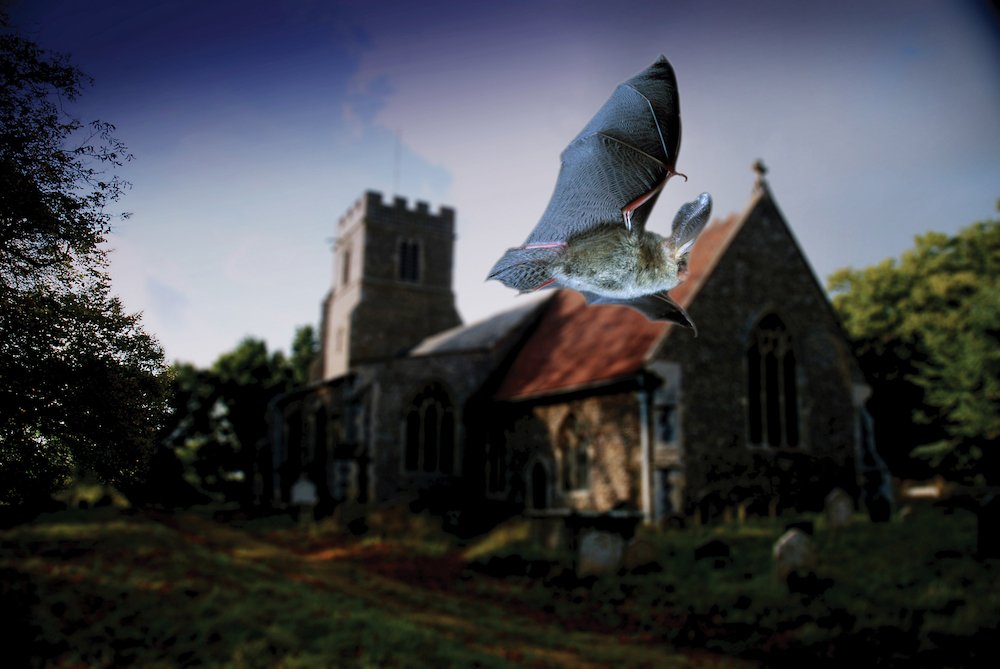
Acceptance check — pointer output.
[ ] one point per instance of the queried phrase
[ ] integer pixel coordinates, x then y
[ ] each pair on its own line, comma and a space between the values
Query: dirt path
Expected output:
485, 626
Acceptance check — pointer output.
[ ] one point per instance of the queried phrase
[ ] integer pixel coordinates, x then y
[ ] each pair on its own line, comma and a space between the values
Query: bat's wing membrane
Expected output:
623, 153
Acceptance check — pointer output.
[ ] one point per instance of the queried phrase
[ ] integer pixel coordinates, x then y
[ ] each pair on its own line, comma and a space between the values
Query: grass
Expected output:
905, 593
106, 588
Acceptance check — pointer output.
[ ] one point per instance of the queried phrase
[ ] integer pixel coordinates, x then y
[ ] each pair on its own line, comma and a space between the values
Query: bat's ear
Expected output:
688, 224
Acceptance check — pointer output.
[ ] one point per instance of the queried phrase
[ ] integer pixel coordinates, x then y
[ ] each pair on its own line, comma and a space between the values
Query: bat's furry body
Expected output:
592, 236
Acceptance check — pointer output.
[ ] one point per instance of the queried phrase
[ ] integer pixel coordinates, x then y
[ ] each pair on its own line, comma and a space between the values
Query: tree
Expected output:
218, 425
82, 381
305, 348
927, 332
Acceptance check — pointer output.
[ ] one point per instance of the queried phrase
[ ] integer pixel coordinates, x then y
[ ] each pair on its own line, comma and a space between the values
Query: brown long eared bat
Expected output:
592, 235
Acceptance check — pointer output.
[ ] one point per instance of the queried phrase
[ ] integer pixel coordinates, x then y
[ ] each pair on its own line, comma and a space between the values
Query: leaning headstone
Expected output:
640, 557
839, 508
793, 552
599, 553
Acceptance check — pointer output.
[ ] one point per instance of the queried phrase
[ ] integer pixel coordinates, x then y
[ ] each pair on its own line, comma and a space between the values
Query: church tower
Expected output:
391, 282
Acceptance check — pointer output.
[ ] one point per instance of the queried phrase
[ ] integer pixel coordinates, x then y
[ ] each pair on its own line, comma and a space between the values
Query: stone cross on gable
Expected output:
761, 169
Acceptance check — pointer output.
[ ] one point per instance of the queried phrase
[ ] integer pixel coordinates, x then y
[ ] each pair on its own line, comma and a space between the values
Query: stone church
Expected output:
560, 405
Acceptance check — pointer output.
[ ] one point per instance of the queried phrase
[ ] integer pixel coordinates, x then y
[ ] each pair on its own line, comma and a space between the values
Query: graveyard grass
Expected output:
103, 587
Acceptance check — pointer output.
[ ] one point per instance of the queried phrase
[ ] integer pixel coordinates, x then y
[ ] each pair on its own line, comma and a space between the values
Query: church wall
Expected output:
394, 386
606, 425
762, 272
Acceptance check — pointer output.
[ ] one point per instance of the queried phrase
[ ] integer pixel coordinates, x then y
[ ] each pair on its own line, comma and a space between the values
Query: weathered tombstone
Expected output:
793, 552
303, 498
640, 556
716, 550
839, 508
599, 553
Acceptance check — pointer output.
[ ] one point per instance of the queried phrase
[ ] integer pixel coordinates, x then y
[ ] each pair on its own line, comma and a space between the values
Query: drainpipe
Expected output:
646, 455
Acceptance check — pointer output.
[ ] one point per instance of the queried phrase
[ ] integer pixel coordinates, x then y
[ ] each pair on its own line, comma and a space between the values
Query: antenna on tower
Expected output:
395, 163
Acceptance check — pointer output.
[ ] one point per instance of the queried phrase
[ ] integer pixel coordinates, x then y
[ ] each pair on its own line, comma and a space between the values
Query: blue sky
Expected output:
255, 125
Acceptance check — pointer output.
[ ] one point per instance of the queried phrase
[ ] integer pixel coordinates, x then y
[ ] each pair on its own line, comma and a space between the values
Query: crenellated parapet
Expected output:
373, 207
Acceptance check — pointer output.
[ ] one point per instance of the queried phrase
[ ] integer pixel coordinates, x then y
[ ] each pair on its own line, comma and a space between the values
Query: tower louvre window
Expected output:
409, 260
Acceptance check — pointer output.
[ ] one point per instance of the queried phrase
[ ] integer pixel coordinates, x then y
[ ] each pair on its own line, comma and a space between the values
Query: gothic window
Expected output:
409, 260
773, 411
575, 458
430, 433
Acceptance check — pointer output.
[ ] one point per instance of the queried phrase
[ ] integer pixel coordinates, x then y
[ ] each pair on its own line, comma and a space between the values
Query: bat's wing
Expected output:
525, 269
626, 152
655, 307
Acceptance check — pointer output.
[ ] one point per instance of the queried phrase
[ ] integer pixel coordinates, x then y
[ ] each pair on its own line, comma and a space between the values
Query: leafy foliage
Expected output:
82, 380
219, 419
926, 329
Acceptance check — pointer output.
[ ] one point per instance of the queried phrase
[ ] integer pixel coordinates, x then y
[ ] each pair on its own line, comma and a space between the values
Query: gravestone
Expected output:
839, 508
303, 498
599, 553
793, 552
640, 555
717, 551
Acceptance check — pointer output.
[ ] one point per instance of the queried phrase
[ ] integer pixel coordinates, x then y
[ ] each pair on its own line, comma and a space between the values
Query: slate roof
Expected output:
575, 346
483, 335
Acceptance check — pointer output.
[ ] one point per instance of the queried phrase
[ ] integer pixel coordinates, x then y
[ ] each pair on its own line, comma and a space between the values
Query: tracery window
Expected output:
430, 433
772, 386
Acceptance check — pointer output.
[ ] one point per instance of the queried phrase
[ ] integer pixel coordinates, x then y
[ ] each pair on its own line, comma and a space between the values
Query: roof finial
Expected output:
761, 169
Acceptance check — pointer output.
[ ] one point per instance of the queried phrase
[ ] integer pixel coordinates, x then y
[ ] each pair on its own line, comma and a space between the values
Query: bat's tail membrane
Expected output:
688, 224
655, 307
525, 269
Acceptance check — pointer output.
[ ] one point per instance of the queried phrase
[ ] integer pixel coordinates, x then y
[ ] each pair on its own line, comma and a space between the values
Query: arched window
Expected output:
575, 458
772, 390
430, 433
409, 260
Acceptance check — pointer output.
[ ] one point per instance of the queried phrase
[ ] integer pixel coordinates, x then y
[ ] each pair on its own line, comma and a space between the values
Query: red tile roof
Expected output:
575, 346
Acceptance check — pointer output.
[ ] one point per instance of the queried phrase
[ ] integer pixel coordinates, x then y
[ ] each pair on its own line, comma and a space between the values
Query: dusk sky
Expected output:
255, 125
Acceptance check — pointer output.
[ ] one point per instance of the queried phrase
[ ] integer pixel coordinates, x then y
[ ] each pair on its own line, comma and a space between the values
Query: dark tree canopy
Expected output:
927, 331
81, 380
218, 425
